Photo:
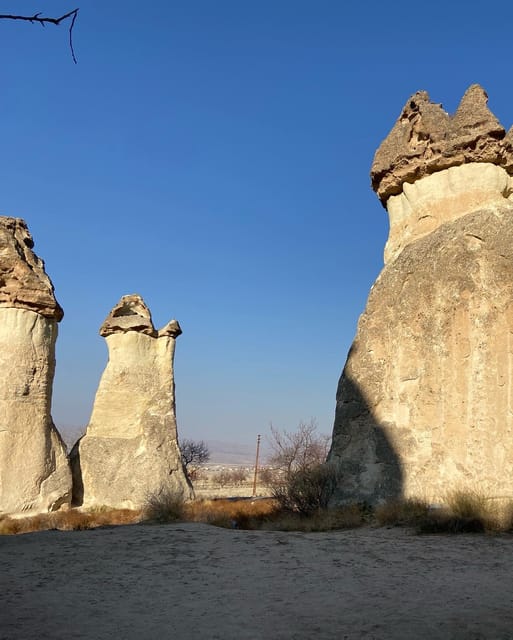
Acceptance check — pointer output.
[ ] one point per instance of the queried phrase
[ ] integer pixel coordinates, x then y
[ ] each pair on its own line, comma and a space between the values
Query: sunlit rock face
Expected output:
425, 401
34, 471
130, 448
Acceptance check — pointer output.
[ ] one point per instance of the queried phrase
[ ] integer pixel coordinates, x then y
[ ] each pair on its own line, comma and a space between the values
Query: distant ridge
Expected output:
222, 451
225, 452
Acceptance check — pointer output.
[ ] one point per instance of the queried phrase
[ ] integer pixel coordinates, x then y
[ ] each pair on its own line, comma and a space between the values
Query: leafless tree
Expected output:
194, 453
293, 451
231, 477
267, 476
44, 20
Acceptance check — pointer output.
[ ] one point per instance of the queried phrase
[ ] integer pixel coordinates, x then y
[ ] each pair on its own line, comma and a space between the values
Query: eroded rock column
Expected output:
130, 448
34, 471
425, 401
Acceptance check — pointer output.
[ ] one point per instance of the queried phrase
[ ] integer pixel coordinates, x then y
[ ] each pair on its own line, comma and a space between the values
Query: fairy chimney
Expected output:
130, 447
34, 471
425, 400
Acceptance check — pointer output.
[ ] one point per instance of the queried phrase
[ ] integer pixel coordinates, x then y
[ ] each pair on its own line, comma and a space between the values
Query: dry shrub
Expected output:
268, 476
164, 505
348, 517
10, 526
443, 522
267, 514
467, 504
401, 513
75, 520
308, 490
231, 477
238, 514
71, 520
116, 517
463, 512
28, 524
506, 520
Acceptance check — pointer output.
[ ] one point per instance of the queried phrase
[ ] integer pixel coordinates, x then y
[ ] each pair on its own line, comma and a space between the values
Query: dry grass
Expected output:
72, 520
266, 514
349, 517
462, 512
401, 513
164, 506
233, 514
465, 512
260, 513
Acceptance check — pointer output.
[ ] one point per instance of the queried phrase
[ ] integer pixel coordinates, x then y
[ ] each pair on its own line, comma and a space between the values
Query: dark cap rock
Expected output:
24, 283
129, 314
426, 139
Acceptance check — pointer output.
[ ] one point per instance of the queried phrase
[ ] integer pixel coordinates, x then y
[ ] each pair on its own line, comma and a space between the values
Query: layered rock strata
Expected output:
130, 447
34, 470
425, 139
425, 400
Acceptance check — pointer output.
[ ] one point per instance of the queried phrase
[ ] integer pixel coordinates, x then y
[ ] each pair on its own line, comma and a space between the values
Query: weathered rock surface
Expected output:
34, 470
130, 447
444, 196
23, 281
425, 401
426, 139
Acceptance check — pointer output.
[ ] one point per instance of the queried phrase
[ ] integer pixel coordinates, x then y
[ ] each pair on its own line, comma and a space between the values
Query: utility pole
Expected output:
256, 466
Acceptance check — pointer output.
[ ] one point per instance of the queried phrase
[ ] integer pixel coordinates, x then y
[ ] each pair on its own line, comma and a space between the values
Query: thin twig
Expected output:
71, 35
43, 20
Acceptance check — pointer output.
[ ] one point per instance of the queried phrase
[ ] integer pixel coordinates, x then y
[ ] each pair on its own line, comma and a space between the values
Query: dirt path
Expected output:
191, 581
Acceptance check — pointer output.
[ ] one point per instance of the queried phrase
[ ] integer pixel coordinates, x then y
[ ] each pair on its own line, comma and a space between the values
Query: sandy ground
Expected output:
198, 582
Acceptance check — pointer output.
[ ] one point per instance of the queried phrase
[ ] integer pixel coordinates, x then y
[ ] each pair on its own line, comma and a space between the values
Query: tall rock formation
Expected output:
425, 400
130, 448
34, 470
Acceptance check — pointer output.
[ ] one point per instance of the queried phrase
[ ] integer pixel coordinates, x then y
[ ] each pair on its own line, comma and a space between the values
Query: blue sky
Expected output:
214, 157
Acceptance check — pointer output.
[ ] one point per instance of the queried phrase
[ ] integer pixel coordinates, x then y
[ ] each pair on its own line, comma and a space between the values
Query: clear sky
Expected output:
214, 156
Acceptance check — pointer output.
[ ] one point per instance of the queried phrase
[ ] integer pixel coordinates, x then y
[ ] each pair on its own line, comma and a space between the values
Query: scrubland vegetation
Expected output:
463, 512
72, 520
301, 488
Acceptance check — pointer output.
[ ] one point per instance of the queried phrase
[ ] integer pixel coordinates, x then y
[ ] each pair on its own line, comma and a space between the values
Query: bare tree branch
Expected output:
43, 20
297, 450
194, 452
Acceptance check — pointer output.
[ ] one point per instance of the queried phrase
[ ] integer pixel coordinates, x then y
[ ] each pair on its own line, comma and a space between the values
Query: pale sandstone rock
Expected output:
34, 470
441, 197
130, 447
425, 401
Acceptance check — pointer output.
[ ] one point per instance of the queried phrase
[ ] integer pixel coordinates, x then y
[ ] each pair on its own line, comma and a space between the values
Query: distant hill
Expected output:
223, 452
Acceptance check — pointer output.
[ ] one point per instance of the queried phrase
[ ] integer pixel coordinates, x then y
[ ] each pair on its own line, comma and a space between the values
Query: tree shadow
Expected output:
370, 467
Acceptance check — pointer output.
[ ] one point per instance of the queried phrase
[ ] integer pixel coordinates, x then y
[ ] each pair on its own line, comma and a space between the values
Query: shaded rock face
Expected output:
425, 401
34, 470
130, 446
